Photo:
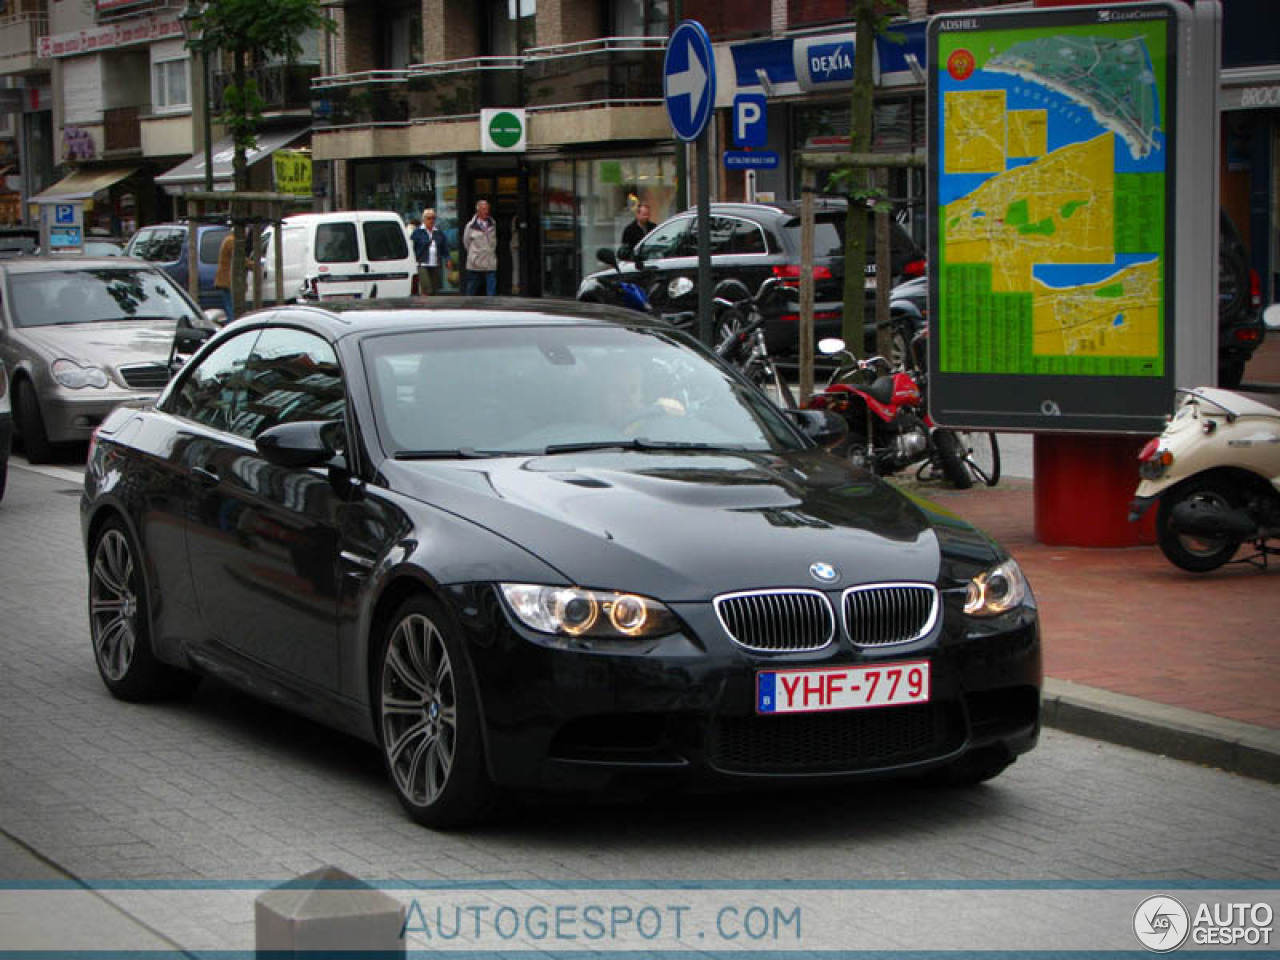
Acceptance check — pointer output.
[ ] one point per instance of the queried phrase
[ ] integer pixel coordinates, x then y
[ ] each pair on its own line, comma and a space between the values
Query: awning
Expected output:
82, 184
189, 174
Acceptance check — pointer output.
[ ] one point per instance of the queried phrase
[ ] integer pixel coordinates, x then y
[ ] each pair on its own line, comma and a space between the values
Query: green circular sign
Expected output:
505, 130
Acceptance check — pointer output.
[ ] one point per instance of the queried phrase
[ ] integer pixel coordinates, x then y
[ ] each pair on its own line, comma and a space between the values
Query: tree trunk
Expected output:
855, 229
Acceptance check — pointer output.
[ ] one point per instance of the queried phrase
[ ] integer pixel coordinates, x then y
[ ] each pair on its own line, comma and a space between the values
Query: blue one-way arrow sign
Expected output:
689, 80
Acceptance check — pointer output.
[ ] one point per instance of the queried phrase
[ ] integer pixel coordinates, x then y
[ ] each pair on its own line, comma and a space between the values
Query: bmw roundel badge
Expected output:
823, 572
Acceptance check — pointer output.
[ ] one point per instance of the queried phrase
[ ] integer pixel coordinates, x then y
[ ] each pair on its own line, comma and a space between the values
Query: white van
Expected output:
351, 254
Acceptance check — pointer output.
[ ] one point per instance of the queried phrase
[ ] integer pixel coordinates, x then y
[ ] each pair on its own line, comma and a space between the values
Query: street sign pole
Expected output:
705, 333
689, 89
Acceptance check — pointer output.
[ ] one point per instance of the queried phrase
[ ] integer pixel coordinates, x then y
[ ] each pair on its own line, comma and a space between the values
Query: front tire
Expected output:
120, 622
981, 456
1192, 552
35, 439
950, 456
429, 719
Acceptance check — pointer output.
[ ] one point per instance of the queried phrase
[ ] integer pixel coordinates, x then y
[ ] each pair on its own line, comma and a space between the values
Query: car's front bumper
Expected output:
71, 416
684, 711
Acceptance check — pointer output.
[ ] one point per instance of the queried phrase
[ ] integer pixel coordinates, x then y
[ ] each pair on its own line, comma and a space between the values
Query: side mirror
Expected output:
823, 427
188, 338
307, 443
606, 255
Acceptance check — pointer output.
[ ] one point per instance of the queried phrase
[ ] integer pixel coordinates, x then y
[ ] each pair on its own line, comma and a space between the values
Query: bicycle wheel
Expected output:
982, 456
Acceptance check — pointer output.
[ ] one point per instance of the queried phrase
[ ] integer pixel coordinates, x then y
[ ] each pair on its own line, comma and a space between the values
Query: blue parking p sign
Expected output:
749, 123
64, 213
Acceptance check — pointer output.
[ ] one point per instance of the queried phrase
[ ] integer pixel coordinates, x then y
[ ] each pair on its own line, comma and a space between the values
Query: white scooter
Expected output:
1216, 474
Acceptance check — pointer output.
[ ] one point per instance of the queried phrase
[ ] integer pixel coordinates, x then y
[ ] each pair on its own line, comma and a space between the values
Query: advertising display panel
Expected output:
1052, 140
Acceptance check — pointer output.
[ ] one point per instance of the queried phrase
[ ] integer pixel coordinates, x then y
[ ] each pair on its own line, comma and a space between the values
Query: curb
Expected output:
1182, 734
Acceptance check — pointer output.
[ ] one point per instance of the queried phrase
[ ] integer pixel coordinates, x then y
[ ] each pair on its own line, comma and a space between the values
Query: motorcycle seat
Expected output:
881, 389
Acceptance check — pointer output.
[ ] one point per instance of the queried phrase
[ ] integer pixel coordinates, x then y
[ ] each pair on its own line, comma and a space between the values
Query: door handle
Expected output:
206, 476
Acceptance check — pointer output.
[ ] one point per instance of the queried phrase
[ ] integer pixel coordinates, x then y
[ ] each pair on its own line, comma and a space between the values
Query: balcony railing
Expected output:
19, 35
609, 70
281, 86
121, 131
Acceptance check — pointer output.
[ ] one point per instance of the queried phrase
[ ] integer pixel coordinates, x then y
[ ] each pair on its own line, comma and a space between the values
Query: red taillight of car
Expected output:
914, 268
1255, 289
1149, 450
790, 275
1249, 335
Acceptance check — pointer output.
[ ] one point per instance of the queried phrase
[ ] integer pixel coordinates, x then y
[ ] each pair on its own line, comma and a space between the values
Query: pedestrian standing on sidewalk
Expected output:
222, 278
431, 249
480, 242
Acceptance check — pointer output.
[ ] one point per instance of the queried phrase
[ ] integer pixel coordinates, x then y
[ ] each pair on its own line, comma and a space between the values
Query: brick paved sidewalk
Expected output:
1128, 621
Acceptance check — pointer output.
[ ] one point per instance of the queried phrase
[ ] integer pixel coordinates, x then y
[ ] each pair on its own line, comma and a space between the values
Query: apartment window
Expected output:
169, 85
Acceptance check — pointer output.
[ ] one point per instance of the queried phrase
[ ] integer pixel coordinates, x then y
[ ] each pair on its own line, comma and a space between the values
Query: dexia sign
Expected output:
503, 131
823, 63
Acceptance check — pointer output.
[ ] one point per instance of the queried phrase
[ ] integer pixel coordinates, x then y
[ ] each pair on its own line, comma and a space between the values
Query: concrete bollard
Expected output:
328, 910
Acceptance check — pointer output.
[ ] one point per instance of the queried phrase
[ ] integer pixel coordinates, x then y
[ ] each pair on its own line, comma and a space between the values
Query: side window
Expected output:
167, 245
747, 238
336, 243
291, 376
385, 240
210, 244
213, 392
668, 240
721, 235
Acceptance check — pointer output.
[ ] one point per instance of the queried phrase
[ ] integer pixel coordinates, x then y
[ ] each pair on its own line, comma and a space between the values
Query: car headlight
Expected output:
76, 377
575, 612
996, 591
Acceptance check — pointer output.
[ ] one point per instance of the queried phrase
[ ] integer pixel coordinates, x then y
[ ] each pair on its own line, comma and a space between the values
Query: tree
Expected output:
856, 180
250, 31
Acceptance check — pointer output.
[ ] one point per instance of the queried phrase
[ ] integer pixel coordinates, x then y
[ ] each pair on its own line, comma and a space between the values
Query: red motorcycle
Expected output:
890, 427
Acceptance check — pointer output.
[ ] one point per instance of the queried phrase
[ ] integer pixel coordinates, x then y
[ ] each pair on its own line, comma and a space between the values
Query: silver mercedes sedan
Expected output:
79, 335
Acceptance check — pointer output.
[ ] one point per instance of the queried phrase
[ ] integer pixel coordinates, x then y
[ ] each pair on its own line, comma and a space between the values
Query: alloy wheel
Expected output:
113, 605
419, 710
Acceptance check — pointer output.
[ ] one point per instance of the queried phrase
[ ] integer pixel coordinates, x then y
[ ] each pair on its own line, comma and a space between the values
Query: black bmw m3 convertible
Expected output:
533, 545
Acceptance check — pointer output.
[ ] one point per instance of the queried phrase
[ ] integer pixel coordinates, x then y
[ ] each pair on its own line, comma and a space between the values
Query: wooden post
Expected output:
808, 180
193, 249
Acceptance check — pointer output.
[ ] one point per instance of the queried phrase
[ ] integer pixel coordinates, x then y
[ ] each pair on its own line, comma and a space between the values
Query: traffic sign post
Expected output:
689, 88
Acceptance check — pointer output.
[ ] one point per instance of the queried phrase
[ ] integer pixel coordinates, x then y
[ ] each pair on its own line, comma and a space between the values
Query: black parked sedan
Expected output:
750, 243
533, 546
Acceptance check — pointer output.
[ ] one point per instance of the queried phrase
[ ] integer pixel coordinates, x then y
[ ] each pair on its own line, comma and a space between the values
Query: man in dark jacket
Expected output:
635, 231
431, 249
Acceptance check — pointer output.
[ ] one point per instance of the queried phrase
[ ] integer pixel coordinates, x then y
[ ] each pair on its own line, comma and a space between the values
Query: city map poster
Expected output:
1050, 177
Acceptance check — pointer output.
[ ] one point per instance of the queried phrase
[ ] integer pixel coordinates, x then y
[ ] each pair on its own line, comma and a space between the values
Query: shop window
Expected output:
641, 18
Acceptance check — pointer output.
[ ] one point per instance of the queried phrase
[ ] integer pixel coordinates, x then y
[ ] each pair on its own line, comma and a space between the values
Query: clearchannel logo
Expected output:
1162, 924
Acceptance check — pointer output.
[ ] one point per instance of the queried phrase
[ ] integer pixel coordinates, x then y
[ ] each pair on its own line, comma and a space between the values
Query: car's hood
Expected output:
684, 526
112, 344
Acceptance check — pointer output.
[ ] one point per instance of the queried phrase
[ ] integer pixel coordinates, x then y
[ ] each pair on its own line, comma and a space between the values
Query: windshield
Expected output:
512, 390
106, 295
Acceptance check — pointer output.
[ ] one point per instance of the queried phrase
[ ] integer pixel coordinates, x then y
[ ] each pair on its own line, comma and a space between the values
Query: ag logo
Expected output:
1161, 924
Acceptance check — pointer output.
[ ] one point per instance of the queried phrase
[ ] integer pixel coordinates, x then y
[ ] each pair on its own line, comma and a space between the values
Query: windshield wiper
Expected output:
640, 443
460, 453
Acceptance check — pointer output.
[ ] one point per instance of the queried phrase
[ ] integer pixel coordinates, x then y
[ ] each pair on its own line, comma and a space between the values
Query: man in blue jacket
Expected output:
431, 249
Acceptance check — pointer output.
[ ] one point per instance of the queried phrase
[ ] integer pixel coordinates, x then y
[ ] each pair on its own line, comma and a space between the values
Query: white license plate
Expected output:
842, 688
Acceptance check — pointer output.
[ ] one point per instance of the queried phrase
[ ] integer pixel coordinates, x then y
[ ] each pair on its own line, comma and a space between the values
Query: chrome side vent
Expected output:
777, 621
885, 613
